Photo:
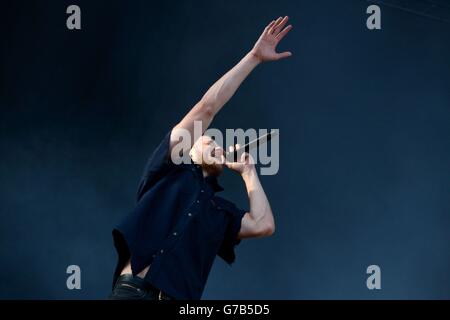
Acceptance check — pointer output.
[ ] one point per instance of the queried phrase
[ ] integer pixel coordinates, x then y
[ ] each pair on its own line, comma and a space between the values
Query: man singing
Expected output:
167, 245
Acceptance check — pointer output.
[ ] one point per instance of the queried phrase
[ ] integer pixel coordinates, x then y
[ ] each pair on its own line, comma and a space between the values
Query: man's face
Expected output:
207, 153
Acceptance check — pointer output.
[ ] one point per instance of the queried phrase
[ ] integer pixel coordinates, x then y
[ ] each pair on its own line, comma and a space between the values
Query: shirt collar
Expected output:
213, 182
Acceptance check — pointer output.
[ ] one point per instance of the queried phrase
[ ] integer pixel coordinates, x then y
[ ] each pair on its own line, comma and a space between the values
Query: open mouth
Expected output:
216, 153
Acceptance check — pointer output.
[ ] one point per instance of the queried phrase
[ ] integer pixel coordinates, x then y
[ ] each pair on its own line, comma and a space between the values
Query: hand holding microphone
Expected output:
245, 161
245, 164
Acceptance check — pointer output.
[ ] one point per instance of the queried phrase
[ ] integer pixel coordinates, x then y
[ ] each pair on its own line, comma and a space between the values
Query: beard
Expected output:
214, 169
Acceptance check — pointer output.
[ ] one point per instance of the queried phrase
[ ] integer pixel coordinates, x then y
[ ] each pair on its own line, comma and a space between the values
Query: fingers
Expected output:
246, 158
280, 25
284, 55
269, 26
272, 28
283, 33
235, 147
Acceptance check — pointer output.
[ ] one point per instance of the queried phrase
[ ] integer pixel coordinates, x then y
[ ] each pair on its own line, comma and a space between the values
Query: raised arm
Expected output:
221, 91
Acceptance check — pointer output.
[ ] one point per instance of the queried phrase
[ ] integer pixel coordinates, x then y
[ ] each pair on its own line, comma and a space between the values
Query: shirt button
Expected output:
189, 214
202, 190
175, 233
198, 201
162, 251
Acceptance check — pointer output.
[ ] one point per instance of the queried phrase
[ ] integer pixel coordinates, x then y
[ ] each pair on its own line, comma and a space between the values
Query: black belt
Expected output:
140, 285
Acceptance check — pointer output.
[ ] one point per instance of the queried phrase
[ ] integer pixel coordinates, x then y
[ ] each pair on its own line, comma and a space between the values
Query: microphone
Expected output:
236, 154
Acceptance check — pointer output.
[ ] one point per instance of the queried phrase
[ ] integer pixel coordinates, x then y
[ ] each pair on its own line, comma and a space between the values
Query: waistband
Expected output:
137, 282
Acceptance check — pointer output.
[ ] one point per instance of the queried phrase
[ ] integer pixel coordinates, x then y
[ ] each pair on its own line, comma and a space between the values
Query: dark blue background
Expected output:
364, 126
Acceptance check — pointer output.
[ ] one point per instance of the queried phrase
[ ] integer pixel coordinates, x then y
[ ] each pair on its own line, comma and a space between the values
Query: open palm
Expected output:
265, 47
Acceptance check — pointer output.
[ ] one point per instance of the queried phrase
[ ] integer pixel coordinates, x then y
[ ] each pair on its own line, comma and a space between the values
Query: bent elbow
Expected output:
271, 230
267, 230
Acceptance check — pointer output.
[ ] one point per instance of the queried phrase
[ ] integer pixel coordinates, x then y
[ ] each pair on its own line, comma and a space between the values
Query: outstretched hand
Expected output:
265, 48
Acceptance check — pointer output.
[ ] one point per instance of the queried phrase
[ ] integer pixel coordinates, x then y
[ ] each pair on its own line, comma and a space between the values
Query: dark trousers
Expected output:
129, 287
